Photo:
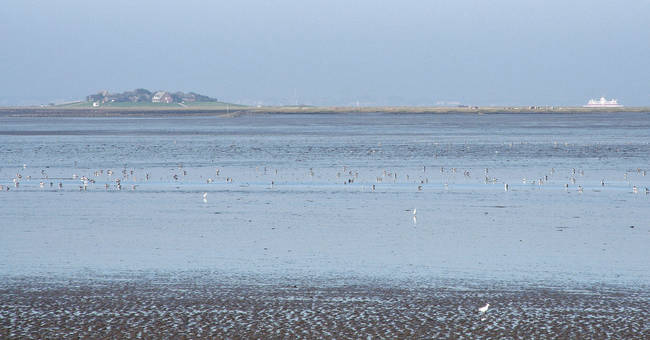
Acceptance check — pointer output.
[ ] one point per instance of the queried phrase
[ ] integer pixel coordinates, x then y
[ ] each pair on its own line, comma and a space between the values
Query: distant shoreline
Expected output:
221, 111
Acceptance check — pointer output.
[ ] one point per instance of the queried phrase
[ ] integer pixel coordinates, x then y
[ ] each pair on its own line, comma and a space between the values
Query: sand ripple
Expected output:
140, 309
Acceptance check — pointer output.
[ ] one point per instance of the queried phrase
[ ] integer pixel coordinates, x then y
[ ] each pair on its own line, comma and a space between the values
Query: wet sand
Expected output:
178, 307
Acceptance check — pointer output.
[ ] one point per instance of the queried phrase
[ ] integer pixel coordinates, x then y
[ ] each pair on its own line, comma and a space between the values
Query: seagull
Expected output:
505, 187
415, 211
484, 308
205, 197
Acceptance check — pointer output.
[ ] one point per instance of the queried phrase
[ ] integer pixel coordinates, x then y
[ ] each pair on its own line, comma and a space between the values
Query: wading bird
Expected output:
484, 308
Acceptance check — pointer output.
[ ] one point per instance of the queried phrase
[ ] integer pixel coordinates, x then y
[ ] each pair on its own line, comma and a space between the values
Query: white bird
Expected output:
415, 211
205, 197
484, 308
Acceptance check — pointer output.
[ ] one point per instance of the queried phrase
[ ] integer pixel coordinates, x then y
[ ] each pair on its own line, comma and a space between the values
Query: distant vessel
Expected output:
602, 102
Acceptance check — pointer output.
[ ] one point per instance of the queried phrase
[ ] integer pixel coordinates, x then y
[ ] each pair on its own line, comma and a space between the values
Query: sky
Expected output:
335, 52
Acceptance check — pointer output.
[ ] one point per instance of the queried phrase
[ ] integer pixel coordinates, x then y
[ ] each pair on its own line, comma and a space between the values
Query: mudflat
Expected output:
343, 308
325, 226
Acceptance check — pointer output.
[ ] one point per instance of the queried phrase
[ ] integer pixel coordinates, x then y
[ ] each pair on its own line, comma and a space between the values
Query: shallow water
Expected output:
300, 200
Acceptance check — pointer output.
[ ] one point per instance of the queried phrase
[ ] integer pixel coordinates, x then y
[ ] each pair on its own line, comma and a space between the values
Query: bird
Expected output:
505, 187
415, 211
205, 197
484, 308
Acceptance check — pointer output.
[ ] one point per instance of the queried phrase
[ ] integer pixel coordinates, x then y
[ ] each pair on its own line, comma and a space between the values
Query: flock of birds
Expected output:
572, 179
346, 177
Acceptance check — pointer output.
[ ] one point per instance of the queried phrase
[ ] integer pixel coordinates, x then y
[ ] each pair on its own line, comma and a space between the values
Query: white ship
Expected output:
602, 102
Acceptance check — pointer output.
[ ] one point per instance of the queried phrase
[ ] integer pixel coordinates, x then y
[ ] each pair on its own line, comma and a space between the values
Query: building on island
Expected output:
602, 102
162, 97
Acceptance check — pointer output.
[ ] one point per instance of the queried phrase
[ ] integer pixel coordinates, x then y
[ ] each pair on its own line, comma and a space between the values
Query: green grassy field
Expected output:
145, 105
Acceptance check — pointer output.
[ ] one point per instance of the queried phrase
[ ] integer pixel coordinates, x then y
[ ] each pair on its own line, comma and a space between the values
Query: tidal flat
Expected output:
320, 225
206, 306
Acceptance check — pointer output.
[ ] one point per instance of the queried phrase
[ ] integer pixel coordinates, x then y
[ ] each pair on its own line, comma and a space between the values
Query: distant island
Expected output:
142, 102
142, 96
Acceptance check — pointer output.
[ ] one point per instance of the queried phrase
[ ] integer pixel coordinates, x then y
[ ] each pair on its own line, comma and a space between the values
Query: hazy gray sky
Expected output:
329, 52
